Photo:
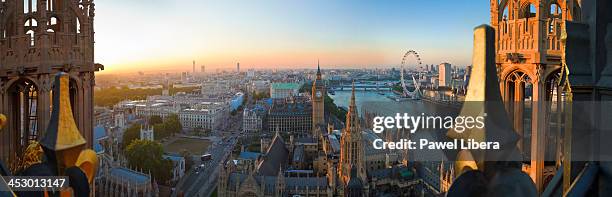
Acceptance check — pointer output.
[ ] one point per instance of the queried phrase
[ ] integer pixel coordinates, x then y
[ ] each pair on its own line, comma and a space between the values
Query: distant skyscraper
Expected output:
444, 74
238, 67
193, 67
203, 69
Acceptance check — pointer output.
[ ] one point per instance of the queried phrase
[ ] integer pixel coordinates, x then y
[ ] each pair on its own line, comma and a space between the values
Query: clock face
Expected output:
318, 94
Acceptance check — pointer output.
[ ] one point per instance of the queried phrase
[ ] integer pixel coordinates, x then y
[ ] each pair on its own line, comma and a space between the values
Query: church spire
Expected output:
353, 105
318, 70
352, 116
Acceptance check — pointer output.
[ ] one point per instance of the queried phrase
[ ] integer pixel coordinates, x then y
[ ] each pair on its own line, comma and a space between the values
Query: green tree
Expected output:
173, 124
170, 125
332, 108
108, 97
160, 131
155, 119
307, 87
148, 156
132, 133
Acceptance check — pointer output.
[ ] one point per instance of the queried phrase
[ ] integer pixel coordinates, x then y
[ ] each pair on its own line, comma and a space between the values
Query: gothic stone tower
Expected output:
318, 103
528, 34
352, 154
39, 38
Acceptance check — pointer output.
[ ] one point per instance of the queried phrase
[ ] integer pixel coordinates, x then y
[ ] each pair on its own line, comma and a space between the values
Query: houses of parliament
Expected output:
332, 160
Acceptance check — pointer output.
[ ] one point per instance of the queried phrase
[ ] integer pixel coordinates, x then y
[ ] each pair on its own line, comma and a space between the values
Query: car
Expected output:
206, 157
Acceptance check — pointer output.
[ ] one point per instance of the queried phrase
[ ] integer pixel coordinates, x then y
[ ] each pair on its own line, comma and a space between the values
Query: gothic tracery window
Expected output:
52, 24
78, 26
24, 105
31, 34
555, 10
30, 27
528, 11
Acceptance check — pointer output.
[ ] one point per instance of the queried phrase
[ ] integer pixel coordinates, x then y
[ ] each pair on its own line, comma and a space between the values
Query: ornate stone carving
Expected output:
45, 83
67, 67
2, 88
38, 58
20, 70
514, 57
539, 68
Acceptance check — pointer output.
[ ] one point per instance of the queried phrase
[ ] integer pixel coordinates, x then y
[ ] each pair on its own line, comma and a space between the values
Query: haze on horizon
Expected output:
157, 35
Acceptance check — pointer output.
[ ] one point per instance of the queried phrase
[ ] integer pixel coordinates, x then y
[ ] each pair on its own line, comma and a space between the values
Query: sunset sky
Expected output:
161, 35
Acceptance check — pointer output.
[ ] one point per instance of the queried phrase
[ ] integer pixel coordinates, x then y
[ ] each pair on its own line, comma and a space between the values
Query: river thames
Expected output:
375, 102
379, 104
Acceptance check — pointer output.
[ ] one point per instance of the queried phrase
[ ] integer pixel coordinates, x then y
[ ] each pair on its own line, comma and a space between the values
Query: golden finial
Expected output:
32, 155
62, 141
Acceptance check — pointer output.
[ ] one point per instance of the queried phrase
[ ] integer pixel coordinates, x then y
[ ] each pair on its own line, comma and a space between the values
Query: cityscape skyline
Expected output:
516, 106
276, 34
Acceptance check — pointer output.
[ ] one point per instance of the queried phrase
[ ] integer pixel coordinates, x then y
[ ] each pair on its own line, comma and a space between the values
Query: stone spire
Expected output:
353, 96
318, 70
352, 118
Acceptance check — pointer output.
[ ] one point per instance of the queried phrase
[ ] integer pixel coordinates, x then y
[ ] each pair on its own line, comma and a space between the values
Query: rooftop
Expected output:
133, 177
248, 155
286, 86
173, 157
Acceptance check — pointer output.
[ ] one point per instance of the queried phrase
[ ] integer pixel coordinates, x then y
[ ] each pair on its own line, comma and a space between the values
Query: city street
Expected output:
204, 181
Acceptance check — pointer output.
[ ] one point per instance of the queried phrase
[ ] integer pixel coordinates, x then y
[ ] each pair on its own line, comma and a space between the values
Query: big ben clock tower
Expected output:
318, 102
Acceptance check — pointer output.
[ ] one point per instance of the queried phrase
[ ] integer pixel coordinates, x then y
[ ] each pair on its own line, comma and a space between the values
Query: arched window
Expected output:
529, 11
555, 10
78, 26
31, 34
52, 23
31, 23
23, 107
505, 15
30, 27
555, 13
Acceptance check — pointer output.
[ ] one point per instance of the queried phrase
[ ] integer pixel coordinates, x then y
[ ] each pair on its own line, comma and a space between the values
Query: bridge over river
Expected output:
365, 86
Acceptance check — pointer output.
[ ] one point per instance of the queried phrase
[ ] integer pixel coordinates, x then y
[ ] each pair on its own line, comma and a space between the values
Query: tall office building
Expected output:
444, 75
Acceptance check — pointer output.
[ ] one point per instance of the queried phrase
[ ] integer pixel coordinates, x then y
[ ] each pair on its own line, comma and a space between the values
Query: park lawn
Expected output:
194, 146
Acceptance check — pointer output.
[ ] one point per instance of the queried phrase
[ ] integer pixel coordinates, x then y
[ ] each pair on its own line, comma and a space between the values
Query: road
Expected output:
204, 182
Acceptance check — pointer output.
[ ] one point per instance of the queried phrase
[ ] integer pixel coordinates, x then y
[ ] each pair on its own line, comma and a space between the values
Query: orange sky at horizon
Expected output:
338, 59
166, 36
